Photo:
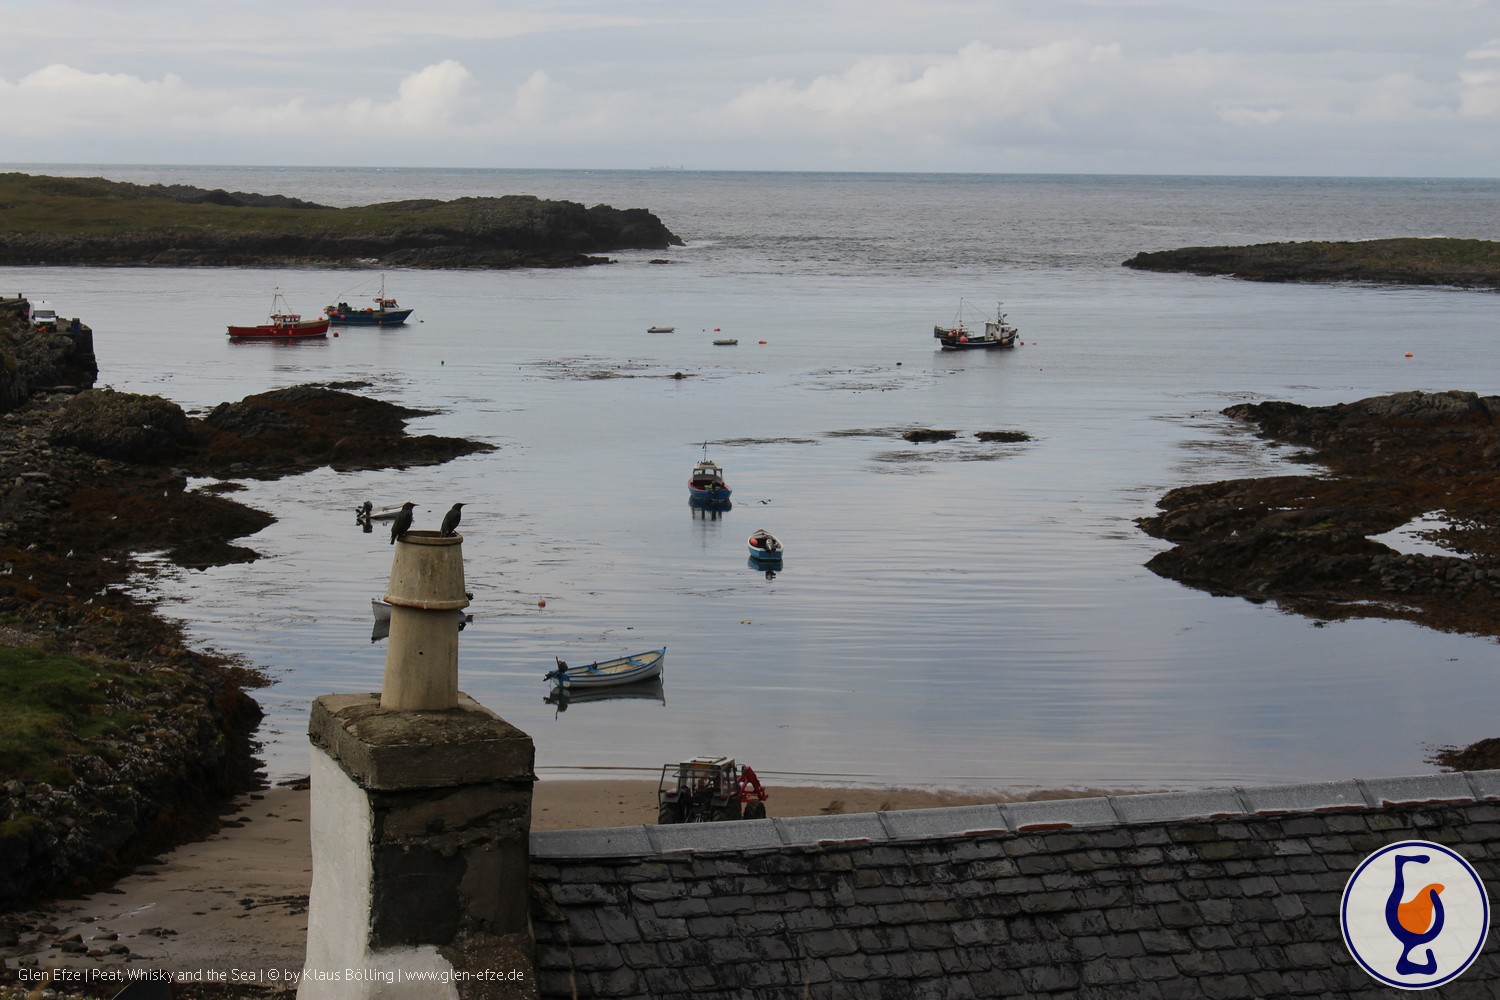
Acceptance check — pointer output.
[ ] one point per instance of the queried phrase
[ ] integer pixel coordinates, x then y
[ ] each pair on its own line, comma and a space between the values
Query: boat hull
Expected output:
367, 317
975, 345
384, 513
611, 673
281, 331
715, 494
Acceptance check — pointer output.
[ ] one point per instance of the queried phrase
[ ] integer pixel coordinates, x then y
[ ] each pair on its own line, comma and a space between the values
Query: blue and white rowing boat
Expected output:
604, 673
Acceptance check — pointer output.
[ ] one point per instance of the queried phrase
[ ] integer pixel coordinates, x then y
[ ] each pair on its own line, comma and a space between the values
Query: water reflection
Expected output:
651, 690
710, 510
770, 567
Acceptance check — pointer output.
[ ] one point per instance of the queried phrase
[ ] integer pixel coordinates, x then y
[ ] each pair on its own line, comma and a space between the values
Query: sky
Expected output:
1312, 87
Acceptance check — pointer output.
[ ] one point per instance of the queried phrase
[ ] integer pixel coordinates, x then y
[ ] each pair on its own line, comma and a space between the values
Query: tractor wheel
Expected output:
667, 813
755, 810
728, 811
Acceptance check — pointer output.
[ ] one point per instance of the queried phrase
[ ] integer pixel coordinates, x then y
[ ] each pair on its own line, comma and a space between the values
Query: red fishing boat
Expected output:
284, 325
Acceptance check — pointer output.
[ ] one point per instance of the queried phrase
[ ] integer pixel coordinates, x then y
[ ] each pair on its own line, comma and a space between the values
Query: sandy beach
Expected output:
235, 905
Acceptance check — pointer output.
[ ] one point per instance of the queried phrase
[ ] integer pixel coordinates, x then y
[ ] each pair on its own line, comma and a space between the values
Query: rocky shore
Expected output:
1305, 541
142, 739
1403, 261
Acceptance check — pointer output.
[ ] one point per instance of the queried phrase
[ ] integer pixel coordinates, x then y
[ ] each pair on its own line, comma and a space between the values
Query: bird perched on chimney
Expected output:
450, 519
402, 524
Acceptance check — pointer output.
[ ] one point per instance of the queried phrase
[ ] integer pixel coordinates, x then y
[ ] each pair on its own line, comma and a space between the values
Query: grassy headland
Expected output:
53, 708
1401, 261
92, 221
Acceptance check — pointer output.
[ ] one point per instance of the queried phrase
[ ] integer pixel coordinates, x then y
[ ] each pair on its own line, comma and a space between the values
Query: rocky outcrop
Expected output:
89, 480
156, 784
32, 359
123, 425
1405, 261
1305, 542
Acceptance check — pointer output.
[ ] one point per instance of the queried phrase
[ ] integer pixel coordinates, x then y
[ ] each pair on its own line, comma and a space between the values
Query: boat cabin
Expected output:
707, 475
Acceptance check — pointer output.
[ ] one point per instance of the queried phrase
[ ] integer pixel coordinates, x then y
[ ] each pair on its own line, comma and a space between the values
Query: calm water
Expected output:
955, 613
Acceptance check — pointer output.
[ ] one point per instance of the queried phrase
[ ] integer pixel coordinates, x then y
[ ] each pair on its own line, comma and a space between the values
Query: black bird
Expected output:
402, 524
450, 519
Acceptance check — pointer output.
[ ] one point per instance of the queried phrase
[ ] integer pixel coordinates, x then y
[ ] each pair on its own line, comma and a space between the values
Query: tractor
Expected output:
707, 789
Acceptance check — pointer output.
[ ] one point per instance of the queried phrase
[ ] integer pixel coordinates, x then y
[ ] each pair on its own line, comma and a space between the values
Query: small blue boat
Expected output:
384, 313
764, 546
607, 673
707, 484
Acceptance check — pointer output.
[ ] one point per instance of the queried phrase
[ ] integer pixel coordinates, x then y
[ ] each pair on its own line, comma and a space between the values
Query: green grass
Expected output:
94, 207
53, 707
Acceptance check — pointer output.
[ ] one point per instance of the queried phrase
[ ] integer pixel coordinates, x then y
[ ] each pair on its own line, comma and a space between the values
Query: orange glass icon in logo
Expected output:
1414, 939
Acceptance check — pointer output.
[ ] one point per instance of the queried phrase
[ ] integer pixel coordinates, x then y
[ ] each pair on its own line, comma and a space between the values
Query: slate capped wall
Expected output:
1220, 894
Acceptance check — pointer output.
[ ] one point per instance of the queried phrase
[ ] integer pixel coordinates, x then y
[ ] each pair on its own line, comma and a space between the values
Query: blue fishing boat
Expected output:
607, 673
706, 484
385, 312
764, 546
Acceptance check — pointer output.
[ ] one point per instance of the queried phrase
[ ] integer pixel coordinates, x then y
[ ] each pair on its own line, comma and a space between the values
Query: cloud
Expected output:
1489, 50
974, 88
1252, 116
1480, 93
791, 84
426, 101
1480, 97
60, 99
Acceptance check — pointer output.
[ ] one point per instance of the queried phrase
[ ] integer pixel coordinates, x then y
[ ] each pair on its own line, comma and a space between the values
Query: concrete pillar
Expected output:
420, 819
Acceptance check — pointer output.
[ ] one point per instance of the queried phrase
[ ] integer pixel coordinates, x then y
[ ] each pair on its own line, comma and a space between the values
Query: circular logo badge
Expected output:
1414, 915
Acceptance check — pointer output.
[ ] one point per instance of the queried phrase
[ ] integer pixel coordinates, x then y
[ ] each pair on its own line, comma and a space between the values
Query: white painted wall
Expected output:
340, 964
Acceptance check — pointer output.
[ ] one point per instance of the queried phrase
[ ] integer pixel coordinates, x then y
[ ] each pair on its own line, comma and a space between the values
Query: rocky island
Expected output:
1405, 261
92, 221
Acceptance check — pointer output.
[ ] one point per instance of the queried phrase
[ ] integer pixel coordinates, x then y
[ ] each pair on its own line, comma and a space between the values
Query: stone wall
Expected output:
32, 361
1221, 894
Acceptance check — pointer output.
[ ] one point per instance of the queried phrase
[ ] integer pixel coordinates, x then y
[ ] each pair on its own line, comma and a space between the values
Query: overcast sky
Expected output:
1324, 87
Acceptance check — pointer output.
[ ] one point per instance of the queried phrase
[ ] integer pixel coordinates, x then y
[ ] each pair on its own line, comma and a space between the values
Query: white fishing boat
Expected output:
606, 673
970, 335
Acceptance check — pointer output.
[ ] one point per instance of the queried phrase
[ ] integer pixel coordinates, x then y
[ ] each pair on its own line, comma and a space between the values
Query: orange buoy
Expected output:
1408, 354
542, 603
762, 341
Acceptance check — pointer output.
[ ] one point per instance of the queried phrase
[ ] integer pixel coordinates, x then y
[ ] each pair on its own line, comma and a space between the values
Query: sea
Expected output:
955, 614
